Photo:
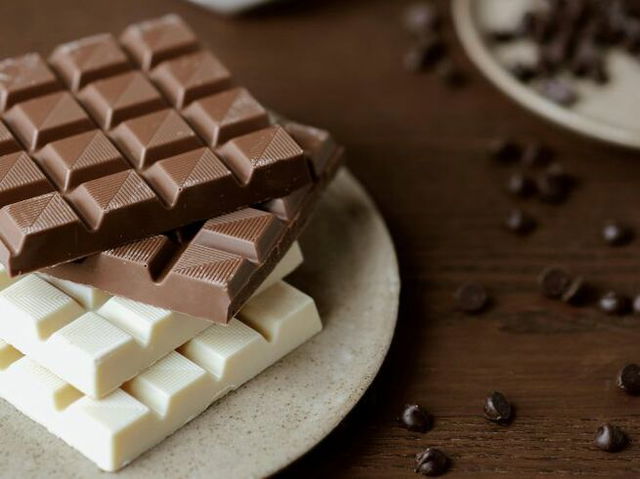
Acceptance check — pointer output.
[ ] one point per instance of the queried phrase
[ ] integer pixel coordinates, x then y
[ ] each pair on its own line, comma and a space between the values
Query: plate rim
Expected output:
475, 47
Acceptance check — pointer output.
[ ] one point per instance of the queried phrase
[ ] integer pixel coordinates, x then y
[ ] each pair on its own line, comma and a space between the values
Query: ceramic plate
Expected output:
350, 269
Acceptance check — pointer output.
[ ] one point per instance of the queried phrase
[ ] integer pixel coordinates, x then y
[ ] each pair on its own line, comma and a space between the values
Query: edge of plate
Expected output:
474, 45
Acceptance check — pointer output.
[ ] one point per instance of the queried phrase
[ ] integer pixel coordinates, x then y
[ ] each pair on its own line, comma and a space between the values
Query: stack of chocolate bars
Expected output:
150, 208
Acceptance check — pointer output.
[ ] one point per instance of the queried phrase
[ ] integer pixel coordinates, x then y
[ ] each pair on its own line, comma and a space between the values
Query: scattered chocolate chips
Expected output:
519, 222
472, 298
616, 234
497, 409
558, 91
415, 419
421, 18
554, 282
614, 303
629, 379
574, 36
520, 184
432, 462
505, 150
610, 438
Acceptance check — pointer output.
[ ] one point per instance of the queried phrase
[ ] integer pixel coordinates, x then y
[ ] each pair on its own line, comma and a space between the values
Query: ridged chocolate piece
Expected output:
87, 59
25, 77
159, 39
210, 269
225, 115
41, 120
116, 159
189, 77
8, 143
112, 100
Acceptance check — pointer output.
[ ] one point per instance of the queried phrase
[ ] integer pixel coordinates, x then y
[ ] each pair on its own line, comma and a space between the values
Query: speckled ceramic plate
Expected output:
608, 112
350, 269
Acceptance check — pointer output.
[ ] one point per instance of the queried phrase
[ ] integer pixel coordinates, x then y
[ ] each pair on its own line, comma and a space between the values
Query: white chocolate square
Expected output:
90, 339
114, 430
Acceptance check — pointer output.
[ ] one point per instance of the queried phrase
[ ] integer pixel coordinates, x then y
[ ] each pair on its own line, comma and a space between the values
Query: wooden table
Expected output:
420, 150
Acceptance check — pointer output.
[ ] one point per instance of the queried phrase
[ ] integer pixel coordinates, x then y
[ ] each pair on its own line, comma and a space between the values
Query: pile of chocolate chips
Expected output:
573, 37
429, 52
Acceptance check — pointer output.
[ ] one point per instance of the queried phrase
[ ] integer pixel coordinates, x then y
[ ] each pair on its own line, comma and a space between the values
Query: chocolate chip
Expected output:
552, 188
554, 282
415, 419
610, 438
432, 462
520, 222
558, 91
636, 304
497, 409
421, 18
614, 303
503, 36
451, 75
472, 298
505, 150
536, 155
578, 293
519, 184
523, 72
616, 234
424, 55
629, 379
413, 60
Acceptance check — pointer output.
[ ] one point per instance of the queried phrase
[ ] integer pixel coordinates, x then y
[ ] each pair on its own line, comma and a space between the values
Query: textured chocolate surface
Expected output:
111, 160
210, 269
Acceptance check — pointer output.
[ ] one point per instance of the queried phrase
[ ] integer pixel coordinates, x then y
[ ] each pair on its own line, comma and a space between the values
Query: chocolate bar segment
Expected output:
151, 137
231, 113
72, 161
189, 77
20, 178
25, 77
8, 143
116, 152
41, 120
156, 40
87, 59
115, 99
210, 269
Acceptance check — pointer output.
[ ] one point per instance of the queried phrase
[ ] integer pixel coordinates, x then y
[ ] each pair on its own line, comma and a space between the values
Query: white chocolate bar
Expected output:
116, 429
90, 339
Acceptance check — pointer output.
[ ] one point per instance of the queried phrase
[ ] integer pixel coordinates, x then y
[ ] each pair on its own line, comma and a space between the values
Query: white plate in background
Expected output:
229, 6
608, 112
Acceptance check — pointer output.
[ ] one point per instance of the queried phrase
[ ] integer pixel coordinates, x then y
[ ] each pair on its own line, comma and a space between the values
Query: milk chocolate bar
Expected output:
130, 139
210, 269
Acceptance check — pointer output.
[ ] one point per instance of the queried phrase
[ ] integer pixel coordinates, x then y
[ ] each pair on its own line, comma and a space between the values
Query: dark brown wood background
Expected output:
419, 149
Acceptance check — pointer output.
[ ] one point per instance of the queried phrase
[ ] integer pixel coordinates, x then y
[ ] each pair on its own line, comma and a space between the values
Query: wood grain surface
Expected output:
419, 149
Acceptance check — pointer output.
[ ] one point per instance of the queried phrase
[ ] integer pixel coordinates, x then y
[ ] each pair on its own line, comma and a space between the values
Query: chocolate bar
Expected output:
114, 430
209, 270
56, 323
129, 149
